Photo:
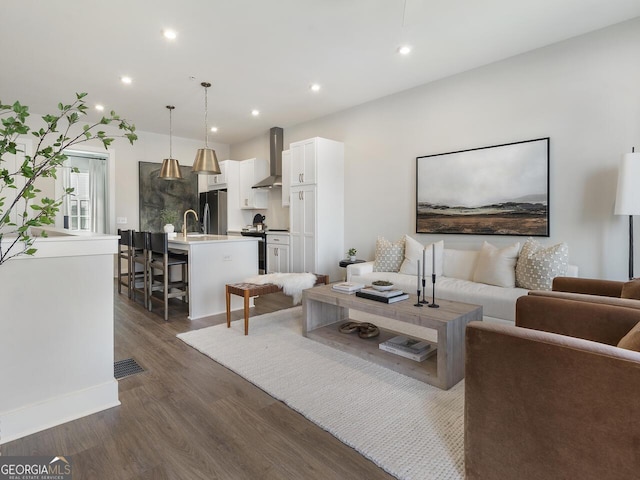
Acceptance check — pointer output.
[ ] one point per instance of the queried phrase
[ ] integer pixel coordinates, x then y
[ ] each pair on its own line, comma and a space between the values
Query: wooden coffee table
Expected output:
324, 310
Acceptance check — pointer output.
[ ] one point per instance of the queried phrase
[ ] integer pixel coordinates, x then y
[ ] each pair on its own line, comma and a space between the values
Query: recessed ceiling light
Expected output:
169, 34
315, 87
404, 50
126, 80
214, 129
99, 107
255, 112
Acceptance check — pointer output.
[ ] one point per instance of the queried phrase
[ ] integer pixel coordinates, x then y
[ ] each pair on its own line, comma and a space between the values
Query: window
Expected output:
79, 202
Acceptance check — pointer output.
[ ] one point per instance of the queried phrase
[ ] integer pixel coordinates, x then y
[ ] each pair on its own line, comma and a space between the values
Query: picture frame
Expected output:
496, 190
156, 194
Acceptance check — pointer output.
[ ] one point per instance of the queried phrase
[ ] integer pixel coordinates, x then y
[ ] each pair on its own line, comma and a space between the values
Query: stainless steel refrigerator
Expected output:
213, 212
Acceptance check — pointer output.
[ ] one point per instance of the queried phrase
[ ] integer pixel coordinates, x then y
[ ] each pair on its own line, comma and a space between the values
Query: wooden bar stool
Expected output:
160, 259
125, 254
140, 265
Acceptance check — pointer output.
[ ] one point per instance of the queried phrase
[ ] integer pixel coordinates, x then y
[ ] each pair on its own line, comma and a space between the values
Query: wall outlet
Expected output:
121, 220
226, 258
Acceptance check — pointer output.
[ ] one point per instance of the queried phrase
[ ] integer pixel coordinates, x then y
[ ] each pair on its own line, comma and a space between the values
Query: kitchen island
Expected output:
214, 261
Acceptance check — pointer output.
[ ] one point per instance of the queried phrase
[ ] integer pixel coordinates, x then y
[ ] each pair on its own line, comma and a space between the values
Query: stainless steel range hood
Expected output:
275, 160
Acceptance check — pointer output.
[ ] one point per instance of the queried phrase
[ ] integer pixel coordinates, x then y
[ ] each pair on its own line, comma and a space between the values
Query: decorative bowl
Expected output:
382, 285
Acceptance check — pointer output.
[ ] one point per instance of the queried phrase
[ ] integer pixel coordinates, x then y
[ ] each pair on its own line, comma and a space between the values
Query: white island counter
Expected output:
214, 261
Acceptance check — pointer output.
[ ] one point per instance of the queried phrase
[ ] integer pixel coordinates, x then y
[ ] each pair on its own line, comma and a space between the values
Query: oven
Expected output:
262, 247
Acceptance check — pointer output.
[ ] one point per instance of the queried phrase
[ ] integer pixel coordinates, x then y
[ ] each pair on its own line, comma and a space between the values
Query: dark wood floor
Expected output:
187, 417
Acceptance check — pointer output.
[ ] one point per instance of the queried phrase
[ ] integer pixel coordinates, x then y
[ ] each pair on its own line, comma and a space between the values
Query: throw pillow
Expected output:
496, 266
460, 263
537, 265
631, 341
631, 289
389, 256
413, 252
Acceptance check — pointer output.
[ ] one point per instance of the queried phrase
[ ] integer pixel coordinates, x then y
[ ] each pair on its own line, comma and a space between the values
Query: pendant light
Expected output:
206, 162
170, 169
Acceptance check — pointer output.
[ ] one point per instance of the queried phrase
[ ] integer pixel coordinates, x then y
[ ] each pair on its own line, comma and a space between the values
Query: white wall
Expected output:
258, 147
584, 93
150, 147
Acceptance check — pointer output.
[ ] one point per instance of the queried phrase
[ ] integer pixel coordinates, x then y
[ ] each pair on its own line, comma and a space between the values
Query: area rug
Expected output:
409, 429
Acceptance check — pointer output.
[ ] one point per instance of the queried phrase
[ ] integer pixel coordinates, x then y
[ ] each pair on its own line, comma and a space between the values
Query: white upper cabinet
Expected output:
251, 172
303, 162
219, 181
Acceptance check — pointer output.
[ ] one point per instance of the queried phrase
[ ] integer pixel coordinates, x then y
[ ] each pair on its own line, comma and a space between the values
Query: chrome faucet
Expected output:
184, 222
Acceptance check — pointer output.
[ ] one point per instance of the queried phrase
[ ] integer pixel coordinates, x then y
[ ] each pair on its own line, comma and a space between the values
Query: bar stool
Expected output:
140, 257
125, 252
161, 259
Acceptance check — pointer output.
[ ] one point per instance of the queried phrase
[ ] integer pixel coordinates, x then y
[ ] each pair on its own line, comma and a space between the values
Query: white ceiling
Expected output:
264, 54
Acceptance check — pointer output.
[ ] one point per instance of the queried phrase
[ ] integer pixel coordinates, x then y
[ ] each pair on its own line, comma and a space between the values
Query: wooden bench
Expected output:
248, 290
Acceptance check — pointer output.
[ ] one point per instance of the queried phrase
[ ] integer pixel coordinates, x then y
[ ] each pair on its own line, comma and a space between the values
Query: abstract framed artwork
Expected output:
156, 194
496, 190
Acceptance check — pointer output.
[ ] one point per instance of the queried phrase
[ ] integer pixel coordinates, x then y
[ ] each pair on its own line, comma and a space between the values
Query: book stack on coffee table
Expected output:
386, 296
347, 287
408, 347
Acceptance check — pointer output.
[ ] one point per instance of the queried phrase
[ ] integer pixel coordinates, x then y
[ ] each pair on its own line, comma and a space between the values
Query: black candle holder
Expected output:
424, 291
433, 302
418, 304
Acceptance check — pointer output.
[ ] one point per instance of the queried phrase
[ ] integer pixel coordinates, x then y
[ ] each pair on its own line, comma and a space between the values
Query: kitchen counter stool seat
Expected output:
125, 254
140, 265
162, 260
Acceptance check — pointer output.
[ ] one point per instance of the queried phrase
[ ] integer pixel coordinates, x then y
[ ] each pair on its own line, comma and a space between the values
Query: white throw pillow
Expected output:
537, 265
389, 256
497, 266
413, 252
460, 263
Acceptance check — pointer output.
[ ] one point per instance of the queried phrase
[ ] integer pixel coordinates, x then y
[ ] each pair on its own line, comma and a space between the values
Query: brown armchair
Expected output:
554, 397
603, 288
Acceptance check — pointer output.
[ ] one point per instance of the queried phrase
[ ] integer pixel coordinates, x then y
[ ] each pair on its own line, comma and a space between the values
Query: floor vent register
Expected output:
125, 368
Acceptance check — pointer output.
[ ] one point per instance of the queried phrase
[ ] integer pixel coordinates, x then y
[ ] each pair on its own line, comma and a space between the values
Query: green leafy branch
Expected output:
48, 155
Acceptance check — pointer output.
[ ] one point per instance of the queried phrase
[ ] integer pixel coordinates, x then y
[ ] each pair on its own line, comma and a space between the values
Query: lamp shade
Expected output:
206, 162
628, 193
170, 169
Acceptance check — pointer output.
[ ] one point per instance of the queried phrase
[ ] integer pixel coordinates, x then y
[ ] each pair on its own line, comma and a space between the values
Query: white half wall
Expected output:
583, 93
56, 334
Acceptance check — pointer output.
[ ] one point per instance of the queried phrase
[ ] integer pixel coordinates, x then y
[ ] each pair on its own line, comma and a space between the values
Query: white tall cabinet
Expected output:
316, 210
286, 177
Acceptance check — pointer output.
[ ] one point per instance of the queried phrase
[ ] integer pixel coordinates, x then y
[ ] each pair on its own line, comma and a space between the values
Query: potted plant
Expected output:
351, 253
21, 205
168, 217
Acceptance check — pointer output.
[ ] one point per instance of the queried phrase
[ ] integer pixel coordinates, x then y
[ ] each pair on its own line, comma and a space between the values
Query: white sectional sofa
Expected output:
456, 283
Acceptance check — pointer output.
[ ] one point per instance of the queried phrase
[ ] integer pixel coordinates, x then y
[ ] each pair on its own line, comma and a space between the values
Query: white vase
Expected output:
168, 228
352, 258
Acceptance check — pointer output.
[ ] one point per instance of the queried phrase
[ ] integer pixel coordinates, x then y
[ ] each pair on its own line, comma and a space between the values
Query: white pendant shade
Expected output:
628, 193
